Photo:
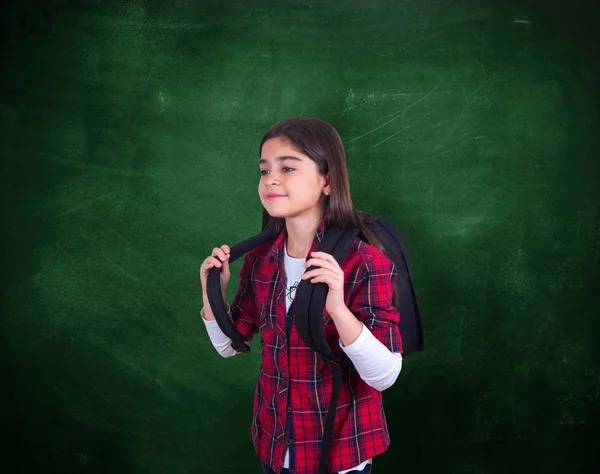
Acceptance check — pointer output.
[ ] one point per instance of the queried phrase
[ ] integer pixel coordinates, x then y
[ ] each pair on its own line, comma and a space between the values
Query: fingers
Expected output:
322, 260
222, 252
325, 264
219, 254
316, 272
324, 276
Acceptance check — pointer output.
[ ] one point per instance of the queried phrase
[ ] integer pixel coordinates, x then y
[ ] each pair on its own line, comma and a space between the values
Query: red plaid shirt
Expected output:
294, 384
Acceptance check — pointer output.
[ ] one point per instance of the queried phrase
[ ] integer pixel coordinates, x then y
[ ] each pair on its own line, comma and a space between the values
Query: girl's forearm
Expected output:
347, 325
206, 311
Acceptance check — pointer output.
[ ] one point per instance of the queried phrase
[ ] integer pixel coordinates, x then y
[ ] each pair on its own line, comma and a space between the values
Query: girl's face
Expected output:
286, 171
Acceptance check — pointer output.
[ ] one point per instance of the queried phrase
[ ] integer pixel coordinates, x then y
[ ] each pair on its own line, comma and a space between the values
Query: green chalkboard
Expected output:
130, 135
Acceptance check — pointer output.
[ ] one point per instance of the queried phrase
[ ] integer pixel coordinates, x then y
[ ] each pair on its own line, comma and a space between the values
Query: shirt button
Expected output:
291, 441
289, 317
289, 409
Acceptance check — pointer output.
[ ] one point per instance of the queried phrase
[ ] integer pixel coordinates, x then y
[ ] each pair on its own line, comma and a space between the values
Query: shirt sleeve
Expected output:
374, 362
371, 301
220, 341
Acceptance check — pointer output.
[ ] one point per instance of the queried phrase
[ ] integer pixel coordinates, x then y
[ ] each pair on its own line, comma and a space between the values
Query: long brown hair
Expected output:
322, 144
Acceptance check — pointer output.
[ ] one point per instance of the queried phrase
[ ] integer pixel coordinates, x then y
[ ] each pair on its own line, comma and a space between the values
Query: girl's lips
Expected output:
273, 196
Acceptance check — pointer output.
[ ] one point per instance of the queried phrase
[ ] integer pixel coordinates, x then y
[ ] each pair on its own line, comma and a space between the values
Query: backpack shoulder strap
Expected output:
320, 291
215, 297
305, 293
310, 302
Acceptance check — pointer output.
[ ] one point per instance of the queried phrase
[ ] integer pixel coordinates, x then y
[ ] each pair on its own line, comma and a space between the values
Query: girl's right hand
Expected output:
219, 257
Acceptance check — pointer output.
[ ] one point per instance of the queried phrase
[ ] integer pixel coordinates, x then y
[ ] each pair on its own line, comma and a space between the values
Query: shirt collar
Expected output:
276, 251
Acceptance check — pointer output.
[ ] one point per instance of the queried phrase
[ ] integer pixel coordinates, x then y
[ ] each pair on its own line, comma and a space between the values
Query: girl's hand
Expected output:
219, 258
329, 273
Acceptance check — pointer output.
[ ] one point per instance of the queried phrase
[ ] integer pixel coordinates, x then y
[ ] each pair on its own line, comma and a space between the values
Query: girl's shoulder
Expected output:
366, 249
260, 252
363, 253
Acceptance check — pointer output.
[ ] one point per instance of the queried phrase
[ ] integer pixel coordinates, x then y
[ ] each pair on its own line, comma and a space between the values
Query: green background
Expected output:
129, 150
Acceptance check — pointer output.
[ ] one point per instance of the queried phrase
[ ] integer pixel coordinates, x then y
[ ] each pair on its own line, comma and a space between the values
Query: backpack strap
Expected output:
310, 302
320, 291
215, 297
307, 291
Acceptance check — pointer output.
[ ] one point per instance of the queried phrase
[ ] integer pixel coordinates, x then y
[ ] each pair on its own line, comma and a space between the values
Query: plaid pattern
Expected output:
294, 384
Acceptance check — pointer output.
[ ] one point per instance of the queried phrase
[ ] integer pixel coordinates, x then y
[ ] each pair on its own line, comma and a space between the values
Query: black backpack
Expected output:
310, 302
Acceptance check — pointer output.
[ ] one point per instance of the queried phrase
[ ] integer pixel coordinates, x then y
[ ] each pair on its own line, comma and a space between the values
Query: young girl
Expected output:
304, 190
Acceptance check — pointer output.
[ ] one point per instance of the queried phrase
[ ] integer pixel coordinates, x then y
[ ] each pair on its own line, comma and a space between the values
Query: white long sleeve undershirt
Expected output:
375, 363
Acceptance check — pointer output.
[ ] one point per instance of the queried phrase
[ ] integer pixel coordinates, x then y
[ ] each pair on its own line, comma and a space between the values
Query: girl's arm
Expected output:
371, 301
243, 311
374, 362
368, 326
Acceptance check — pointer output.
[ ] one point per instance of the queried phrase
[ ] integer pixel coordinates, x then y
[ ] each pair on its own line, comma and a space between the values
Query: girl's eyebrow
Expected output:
280, 158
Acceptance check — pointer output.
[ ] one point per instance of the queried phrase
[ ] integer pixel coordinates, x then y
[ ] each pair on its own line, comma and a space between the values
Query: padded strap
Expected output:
310, 302
215, 297
319, 296
305, 292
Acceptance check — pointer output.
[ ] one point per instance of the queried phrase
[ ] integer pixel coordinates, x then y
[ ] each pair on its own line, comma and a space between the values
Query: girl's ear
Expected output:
327, 187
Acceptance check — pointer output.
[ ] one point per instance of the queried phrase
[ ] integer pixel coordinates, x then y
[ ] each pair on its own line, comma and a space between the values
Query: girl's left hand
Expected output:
329, 273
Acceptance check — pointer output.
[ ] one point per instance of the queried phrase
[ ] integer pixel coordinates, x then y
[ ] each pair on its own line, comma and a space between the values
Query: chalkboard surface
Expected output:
130, 135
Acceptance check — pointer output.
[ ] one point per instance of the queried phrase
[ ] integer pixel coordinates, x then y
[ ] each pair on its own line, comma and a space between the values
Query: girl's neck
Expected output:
300, 235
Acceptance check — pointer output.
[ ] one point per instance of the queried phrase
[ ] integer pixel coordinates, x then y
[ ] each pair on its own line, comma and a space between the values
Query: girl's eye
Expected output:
262, 172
